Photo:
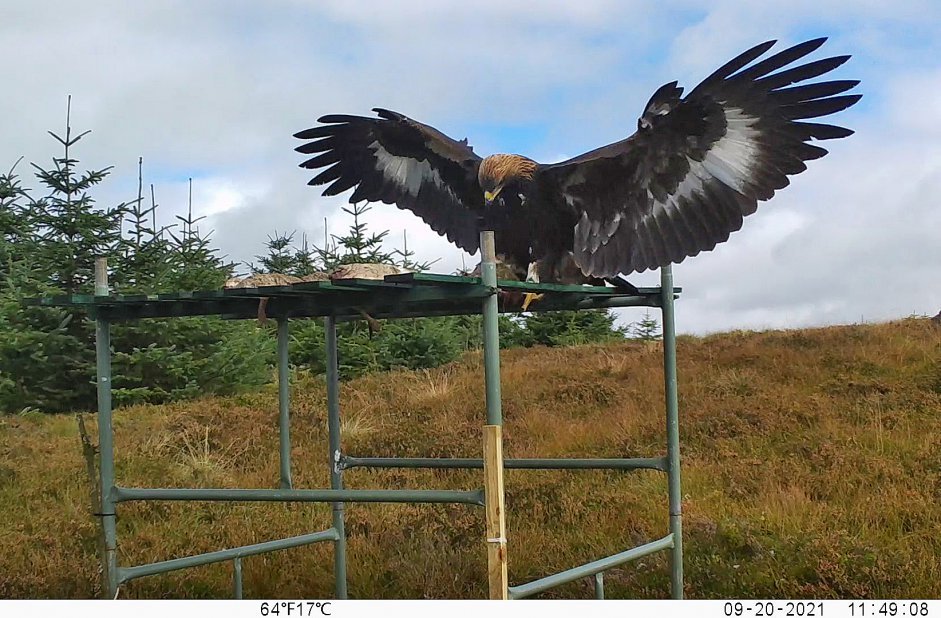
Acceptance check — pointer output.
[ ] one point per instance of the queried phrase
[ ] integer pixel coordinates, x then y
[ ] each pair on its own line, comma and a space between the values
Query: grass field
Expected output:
811, 468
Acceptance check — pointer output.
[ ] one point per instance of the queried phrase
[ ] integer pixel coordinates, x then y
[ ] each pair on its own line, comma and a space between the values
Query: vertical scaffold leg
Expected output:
599, 586
336, 475
284, 397
105, 431
673, 431
488, 276
237, 578
493, 435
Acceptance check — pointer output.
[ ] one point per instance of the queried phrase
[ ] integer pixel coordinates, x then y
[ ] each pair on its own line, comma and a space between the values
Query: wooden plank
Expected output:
496, 516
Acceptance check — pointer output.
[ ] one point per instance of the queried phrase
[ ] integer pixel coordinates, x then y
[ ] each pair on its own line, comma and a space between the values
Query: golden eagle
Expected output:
678, 186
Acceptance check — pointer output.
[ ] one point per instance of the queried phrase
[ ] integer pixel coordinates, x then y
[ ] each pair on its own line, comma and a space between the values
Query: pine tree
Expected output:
15, 273
146, 265
16, 227
305, 260
280, 258
409, 343
49, 245
283, 257
157, 361
405, 257
360, 246
71, 231
558, 328
646, 329
46, 354
195, 261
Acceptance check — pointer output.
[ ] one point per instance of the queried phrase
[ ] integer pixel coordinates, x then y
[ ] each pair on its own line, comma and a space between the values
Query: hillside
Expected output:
811, 468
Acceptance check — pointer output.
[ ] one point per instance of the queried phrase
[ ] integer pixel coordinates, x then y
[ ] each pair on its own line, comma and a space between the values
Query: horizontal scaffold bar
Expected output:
128, 573
124, 494
635, 463
587, 570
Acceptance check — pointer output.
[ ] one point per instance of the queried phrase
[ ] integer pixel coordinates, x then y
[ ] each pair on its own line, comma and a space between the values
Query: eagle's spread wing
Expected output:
397, 160
697, 165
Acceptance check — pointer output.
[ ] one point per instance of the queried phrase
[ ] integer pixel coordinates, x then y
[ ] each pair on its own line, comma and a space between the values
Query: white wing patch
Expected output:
730, 161
407, 173
732, 158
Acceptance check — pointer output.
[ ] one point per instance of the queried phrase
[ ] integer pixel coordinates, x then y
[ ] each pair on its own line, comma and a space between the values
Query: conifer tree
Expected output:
405, 257
646, 329
49, 245
163, 360
286, 258
196, 263
15, 271
359, 246
16, 227
47, 353
305, 259
559, 328
146, 264
72, 232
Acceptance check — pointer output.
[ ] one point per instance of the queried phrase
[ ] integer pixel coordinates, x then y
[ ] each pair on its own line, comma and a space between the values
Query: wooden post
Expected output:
496, 517
101, 276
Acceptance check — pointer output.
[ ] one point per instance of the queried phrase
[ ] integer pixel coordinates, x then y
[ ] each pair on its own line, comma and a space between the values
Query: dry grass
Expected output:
812, 467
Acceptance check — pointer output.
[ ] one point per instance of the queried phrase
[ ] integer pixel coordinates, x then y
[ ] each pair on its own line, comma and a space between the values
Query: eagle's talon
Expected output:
529, 298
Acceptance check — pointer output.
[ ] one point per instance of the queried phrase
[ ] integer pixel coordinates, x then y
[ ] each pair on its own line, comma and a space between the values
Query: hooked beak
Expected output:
490, 197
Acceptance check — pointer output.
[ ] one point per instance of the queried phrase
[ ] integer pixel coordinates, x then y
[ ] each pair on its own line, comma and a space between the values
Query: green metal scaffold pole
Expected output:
488, 276
284, 399
673, 431
336, 474
106, 431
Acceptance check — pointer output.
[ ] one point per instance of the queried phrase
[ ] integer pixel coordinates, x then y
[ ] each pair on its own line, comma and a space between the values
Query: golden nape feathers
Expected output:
501, 167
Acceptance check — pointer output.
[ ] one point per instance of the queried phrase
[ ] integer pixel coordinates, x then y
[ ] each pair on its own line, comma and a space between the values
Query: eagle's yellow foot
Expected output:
529, 298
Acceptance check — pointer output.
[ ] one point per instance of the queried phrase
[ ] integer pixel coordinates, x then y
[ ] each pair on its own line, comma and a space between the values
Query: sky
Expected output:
214, 91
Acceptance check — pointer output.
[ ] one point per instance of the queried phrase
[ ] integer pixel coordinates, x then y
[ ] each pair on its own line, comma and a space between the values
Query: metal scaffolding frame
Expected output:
408, 295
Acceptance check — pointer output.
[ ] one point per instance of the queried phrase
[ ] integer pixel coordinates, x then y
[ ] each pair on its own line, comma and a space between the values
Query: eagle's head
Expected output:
502, 170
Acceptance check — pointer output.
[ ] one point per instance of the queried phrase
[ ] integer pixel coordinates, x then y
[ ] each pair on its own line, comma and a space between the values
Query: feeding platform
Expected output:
406, 295
395, 296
